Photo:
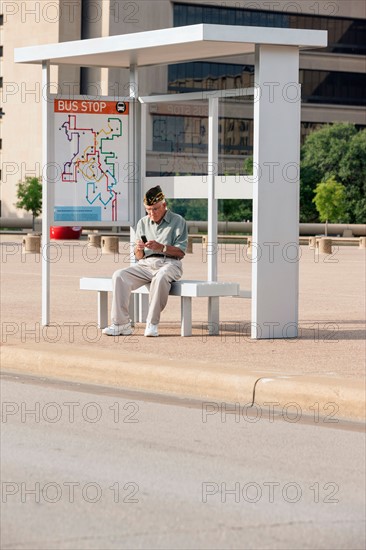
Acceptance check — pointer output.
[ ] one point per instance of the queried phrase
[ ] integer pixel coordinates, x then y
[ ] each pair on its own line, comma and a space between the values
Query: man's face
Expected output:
156, 212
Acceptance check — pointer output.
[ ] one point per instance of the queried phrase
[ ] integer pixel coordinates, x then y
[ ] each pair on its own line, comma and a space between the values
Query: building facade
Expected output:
333, 79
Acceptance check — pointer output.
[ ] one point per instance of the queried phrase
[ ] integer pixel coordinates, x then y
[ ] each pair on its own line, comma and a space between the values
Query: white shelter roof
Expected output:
165, 46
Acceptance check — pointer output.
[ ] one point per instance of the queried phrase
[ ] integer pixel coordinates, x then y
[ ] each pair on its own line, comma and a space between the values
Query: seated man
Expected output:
159, 263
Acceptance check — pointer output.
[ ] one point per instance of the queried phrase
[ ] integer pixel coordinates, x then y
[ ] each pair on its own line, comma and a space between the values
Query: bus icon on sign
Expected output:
121, 107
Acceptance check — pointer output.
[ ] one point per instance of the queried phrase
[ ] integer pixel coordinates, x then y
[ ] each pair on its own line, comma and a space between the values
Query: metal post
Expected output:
47, 205
213, 157
143, 145
134, 143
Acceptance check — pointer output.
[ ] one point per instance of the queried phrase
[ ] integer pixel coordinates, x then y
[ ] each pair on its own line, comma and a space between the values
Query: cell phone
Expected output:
143, 238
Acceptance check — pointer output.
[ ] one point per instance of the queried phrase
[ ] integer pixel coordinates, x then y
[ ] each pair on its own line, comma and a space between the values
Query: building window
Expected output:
333, 87
187, 134
317, 86
344, 35
201, 75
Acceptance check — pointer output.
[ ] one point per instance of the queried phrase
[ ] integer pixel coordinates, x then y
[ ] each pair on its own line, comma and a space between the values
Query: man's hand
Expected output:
139, 249
157, 247
154, 245
140, 245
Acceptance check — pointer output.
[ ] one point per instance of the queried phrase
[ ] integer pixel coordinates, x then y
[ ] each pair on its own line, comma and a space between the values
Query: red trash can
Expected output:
65, 232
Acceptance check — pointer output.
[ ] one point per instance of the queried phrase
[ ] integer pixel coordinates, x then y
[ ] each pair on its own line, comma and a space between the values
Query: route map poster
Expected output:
90, 149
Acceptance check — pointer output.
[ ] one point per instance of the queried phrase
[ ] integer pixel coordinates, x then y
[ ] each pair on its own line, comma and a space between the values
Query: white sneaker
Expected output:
117, 330
151, 330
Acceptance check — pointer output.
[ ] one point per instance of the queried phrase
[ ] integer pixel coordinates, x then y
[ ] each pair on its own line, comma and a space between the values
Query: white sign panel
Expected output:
90, 148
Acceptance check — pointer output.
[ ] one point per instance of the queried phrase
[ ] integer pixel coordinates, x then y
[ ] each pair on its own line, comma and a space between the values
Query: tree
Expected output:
235, 210
352, 173
337, 151
248, 166
330, 201
324, 148
308, 178
190, 209
29, 194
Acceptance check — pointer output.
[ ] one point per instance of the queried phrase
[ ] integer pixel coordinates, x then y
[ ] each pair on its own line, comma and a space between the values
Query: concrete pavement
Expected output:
92, 468
322, 372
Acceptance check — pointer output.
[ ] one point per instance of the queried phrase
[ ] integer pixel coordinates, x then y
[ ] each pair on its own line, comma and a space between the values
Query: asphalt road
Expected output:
94, 468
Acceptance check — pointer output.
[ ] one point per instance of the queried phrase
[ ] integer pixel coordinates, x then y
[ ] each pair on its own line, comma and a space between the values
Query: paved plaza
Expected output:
331, 344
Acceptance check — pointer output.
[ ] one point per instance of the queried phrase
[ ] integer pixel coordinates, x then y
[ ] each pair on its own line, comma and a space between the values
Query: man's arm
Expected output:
139, 249
139, 244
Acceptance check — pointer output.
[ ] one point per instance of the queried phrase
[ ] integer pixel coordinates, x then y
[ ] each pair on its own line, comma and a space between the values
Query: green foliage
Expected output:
248, 166
235, 210
325, 148
330, 200
190, 209
228, 209
337, 151
29, 194
308, 176
352, 173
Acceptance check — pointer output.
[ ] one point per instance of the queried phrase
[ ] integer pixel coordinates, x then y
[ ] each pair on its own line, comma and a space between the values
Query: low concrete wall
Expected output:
334, 229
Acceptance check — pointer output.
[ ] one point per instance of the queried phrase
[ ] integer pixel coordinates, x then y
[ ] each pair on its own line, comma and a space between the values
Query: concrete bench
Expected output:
185, 289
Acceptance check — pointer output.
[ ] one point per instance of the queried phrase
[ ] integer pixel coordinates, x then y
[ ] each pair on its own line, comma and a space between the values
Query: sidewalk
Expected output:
326, 364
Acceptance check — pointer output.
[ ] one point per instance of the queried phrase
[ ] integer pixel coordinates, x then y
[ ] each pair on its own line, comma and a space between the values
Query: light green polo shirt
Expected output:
172, 230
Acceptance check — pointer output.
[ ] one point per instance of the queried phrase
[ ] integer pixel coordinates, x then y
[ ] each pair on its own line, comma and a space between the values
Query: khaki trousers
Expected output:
160, 272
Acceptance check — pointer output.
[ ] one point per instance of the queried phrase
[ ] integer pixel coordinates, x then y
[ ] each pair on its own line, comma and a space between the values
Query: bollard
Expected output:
204, 241
362, 242
31, 244
249, 244
94, 240
110, 245
312, 242
325, 246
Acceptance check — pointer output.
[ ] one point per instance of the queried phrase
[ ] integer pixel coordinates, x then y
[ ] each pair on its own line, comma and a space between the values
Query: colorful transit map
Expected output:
91, 150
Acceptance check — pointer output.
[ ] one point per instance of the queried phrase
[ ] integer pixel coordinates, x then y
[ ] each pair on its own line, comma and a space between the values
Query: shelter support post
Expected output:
140, 302
275, 257
47, 204
213, 159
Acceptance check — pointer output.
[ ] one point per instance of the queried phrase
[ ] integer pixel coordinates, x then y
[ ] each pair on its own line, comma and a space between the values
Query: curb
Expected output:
140, 372
318, 397
329, 398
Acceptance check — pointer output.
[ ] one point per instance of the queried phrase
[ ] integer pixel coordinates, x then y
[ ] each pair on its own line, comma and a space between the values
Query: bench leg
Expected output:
186, 316
139, 307
102, 308
213, 315
144, 307
132, 309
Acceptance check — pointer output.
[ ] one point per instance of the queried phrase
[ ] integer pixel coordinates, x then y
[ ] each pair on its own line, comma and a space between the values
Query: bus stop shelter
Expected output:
274, 185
